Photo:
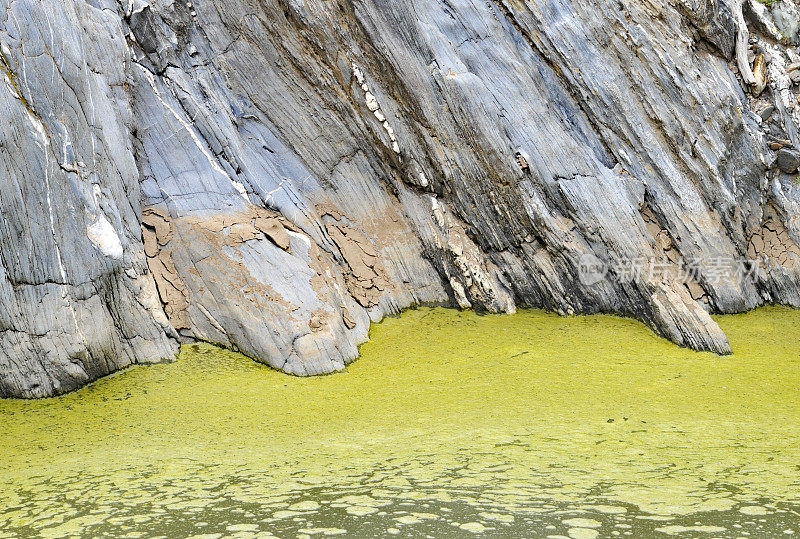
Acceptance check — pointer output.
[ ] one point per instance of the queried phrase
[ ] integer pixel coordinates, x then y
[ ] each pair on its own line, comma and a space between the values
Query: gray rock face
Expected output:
77, 299
788, 160
274, 176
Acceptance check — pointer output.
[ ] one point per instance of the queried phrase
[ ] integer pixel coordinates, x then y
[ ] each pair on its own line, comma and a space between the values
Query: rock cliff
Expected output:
275, 175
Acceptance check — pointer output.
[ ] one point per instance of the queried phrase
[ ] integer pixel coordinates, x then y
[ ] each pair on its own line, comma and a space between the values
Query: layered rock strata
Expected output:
276, 175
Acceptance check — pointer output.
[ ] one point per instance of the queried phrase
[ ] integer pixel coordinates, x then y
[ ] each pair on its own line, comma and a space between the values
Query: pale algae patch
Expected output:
450, 424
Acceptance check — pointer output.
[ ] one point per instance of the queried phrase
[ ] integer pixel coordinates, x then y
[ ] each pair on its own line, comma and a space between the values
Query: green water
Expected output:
450, 424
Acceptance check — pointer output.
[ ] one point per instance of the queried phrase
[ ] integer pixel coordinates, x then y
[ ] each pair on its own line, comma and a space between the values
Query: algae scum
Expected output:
450, 424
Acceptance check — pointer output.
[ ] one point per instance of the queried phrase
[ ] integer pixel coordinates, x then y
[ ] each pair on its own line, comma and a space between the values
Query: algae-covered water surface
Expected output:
450, 424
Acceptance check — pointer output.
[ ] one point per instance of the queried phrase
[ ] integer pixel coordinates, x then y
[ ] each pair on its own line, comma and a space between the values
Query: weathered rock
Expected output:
77, 301
788, 160
759, 74
779, 20
276, 175
715, 20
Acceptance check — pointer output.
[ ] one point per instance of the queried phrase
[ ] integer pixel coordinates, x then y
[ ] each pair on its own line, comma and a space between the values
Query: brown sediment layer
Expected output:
367, 278
157, 233
772, 244
672, 262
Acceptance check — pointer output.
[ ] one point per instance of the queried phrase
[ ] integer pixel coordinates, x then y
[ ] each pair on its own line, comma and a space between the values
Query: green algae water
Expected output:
451, 424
